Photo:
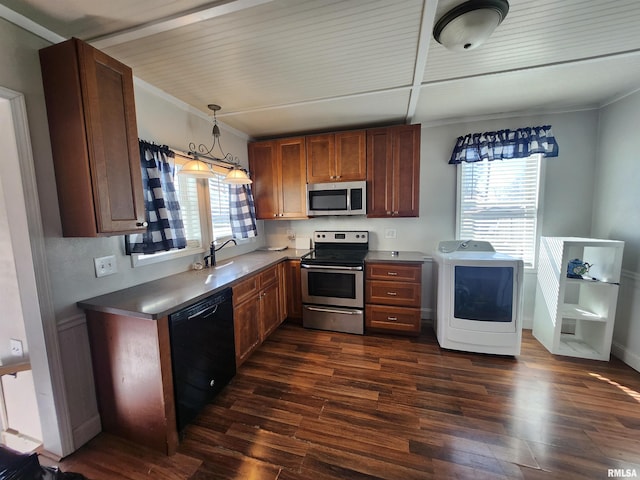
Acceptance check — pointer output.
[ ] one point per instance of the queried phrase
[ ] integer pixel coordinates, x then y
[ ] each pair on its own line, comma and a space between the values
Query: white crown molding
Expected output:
29, 25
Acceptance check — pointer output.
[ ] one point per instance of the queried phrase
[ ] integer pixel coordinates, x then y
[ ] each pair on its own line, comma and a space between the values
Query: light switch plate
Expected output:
105, 266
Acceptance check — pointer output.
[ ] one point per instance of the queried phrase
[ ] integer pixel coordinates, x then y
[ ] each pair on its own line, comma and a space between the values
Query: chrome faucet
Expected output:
212, 252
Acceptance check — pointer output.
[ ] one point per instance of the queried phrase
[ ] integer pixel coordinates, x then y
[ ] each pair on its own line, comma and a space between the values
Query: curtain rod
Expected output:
207, 159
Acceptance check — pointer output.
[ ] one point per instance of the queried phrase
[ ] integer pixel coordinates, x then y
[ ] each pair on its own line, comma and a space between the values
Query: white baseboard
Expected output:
86, 431
628, 357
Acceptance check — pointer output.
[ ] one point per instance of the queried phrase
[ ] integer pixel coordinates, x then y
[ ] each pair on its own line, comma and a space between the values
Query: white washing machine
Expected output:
478, 298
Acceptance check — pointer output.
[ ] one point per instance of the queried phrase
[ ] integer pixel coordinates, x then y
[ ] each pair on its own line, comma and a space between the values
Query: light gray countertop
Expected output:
162, 297
388, 256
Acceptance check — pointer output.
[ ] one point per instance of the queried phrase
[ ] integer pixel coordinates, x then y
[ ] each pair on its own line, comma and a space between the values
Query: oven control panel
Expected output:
333, 236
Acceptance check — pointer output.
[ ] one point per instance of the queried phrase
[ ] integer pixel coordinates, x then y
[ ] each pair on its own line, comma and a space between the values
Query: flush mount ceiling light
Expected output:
469, 24
205, 169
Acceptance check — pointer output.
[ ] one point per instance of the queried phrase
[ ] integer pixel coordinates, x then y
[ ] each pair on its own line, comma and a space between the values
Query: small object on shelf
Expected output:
577, 268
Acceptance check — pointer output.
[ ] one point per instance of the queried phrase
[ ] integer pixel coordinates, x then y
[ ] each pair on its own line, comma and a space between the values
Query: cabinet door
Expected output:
263, 167
291, 185
246, 328
406, 168
351, 156
269, 310
379, 173
294, 290
321, 158
94, 140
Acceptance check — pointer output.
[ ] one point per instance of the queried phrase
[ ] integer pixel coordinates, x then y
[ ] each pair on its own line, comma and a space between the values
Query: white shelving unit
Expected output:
575, 317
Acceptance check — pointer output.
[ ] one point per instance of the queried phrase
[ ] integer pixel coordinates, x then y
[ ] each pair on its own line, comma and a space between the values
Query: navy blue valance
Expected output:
519, 143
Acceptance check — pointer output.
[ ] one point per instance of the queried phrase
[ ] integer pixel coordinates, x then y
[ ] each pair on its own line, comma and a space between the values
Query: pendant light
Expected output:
201, 169
470, 24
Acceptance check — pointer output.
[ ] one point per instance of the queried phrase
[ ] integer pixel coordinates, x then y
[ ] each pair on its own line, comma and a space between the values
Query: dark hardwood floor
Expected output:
311, 405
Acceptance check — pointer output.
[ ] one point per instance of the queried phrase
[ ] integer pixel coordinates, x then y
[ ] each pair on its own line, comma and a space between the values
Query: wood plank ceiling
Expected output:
283, 66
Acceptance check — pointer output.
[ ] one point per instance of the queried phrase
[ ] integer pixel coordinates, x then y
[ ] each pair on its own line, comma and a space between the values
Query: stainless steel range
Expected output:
333, 281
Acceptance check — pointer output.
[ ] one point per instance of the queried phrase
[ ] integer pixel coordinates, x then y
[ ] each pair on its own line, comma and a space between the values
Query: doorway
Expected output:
23, 268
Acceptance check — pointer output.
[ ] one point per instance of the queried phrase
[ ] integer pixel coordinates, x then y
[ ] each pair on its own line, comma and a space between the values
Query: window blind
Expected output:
498, 202
187, 190
219, 204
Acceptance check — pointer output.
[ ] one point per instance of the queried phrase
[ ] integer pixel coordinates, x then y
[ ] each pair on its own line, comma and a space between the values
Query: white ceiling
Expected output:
279, 67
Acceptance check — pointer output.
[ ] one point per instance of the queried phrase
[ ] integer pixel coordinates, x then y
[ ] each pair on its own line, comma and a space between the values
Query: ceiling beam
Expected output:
167, 24
424, 39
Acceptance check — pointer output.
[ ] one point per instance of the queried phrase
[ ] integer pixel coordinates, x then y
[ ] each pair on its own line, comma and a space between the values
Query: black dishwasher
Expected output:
202, 353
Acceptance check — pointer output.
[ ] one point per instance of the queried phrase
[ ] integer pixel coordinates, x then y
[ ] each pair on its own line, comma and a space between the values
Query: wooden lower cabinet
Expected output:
256, 310
393, 294
134, 382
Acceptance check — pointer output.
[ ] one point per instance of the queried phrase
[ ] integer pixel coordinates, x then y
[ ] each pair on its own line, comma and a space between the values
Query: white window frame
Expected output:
541, 175
206, 229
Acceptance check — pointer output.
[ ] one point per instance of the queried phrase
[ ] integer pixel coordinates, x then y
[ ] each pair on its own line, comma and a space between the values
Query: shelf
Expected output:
588, 281
572, 346
577, 312
13, 368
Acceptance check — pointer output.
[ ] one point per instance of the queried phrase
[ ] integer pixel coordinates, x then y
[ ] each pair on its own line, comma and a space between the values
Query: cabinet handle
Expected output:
142, 224
392, 294
393, 274
392, 319
389, 213
275, 214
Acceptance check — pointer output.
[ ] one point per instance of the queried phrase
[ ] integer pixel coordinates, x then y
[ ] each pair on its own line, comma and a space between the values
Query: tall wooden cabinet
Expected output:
393, 171
279, 178
575, 316
94, 140
337, 157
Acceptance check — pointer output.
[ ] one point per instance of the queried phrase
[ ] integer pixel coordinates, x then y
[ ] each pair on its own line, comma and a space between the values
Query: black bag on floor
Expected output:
19, 466
26, 466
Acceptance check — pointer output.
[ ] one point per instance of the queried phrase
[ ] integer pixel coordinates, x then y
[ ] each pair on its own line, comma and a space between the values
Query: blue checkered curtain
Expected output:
242, 211
165, 230
519, 143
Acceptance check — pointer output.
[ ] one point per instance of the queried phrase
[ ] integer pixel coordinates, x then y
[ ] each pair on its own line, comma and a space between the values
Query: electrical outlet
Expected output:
105, 265
291, 235
16, 347
389, 233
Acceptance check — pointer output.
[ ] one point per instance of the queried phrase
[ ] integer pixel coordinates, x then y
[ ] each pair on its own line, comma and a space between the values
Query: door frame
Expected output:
17, 174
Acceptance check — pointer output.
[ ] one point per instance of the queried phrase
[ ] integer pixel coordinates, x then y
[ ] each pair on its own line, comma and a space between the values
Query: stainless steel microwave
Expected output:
339, 198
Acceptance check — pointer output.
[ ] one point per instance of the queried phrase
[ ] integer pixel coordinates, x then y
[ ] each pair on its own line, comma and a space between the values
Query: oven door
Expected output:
333, 285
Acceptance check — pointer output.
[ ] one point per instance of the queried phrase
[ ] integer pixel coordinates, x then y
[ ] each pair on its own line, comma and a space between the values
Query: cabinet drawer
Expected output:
401, 272
246, 289
393, 293
268, 277
395, 319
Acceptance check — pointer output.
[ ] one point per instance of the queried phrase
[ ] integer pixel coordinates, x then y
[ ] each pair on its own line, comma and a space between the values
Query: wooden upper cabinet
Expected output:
94, 140
279, 172
264, 171
336, 157
393, 171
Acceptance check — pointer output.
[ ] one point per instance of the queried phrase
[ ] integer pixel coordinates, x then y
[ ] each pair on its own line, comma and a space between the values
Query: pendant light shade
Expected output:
237, 177
197, 169
470, 24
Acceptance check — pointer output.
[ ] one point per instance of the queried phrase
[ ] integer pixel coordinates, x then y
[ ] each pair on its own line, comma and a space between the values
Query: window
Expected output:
498, 202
